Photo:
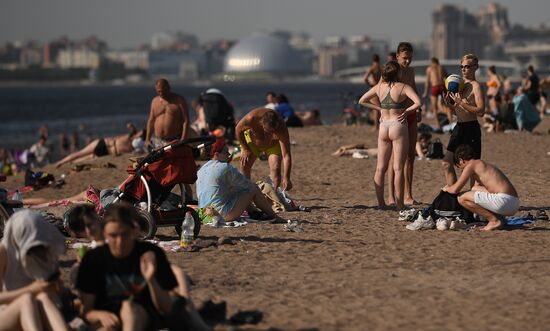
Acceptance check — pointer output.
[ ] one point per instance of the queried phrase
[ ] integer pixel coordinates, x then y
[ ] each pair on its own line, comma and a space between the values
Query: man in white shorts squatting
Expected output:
493, 196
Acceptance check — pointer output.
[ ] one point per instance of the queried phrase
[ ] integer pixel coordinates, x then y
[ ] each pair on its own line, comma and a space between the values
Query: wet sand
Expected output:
357, 268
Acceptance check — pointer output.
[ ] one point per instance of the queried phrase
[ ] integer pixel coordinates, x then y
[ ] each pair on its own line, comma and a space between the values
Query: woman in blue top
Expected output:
223, 188
393, 134
287, 112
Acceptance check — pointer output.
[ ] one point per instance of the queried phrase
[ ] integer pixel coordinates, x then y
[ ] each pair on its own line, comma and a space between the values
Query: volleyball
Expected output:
454, 83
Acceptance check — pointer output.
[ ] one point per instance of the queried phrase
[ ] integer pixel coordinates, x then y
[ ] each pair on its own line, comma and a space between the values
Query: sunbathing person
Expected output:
29, 274
310, 117
492, 197
103, 146
224, 190
361, 148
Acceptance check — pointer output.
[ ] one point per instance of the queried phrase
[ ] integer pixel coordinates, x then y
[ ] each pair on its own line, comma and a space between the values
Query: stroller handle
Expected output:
154, 155
206, 141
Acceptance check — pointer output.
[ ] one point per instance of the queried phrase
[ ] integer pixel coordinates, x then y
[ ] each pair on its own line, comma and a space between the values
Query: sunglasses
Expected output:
467, 66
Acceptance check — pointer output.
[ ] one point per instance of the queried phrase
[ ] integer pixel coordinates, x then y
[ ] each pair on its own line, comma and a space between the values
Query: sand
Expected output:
357, 268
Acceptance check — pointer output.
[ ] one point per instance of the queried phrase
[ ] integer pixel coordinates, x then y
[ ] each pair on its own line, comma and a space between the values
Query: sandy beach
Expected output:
357, 268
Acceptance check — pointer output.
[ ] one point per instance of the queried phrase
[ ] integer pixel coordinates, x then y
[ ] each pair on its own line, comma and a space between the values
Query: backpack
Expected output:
435, 150
217, 110
445, 204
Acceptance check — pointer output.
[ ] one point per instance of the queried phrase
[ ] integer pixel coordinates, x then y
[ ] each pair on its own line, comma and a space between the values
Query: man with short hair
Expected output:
467, 104
407, 76
263, 131
168, 118
434, 77
492, 197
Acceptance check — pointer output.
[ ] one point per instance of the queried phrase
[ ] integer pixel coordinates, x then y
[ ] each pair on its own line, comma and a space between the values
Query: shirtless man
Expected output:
434, 77
493, 196
264, 131
374, 71
371, 78
169, 119
406, 75
103, 146
467, 105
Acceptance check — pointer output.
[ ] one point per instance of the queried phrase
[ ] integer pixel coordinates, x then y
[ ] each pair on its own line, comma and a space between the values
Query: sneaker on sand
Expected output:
407, 215
421, 223
442, 224
458, 224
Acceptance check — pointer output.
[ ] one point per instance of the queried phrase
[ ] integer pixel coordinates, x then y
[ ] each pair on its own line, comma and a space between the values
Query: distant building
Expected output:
177, 41
456, 32
331, 59
131, 59
78, 58
215, 52
31, 55
184, 65
489, 34
266, 54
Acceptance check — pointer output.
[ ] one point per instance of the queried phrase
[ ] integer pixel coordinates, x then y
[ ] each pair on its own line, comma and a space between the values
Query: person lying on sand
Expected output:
492, 197
350, 149
104, 146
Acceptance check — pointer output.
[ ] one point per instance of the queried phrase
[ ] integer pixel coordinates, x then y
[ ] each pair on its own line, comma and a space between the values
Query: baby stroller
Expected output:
153, 178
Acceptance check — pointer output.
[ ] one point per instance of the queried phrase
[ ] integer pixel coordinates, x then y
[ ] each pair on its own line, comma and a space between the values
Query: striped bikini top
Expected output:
389, 103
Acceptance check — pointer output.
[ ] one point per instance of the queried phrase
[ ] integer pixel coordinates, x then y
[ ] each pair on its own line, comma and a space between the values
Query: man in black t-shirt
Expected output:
126, 282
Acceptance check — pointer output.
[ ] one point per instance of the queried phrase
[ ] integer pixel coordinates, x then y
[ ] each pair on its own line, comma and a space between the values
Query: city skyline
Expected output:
130, 23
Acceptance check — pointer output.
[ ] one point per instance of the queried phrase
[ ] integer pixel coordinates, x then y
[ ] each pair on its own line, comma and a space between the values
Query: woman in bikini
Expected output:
393, 136
103, 146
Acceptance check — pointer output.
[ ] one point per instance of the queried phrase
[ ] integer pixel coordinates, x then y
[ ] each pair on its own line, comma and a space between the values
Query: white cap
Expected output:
214, 90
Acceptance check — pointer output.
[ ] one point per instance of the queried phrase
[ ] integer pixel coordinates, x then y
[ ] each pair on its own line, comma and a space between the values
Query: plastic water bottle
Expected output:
187, 230
17, 196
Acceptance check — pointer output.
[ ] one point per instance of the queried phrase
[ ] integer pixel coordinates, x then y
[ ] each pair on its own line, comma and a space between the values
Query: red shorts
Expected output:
437, 90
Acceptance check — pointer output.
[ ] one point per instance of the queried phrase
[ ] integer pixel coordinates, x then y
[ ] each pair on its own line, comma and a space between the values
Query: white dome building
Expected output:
261, 53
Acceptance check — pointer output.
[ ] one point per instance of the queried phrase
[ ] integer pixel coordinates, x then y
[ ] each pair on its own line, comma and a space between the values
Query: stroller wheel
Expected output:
147, 224
197, 220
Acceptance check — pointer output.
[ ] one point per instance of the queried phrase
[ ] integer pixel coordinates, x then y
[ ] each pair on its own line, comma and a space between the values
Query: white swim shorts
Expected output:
498, 203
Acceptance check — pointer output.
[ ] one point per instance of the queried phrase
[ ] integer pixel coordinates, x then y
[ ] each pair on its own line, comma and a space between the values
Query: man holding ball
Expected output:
467, 103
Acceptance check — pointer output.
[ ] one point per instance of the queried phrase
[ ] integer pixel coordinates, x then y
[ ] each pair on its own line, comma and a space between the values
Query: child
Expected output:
493, 196
422, 144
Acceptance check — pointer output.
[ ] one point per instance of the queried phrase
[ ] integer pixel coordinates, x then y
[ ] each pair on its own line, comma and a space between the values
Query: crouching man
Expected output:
493, 196
125, 284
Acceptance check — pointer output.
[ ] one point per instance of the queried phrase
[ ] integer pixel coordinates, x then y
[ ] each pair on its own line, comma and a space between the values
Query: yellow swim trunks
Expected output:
274, 149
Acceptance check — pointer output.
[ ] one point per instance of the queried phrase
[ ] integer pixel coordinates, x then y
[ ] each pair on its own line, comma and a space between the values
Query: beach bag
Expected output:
435, 150
38, 179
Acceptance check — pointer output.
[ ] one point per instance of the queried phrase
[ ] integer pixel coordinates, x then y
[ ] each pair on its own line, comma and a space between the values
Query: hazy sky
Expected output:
128, 23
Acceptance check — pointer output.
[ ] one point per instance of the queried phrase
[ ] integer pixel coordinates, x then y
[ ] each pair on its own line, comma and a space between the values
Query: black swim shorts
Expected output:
101, 148
466, 133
